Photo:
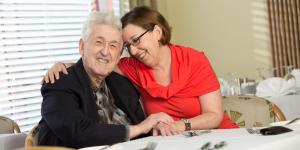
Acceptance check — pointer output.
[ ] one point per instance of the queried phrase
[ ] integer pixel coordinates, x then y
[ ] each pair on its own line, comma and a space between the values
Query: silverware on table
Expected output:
195, 133
103, 148
150, 146
209, 146
292, 121
113, 146
253, 131
189, 133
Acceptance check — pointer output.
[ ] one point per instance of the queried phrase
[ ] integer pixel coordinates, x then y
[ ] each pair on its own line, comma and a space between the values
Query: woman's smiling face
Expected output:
142, 43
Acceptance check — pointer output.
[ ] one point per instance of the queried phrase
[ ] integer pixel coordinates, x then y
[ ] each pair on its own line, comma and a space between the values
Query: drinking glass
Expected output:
234, 83
289, 77
271, 72
260, 75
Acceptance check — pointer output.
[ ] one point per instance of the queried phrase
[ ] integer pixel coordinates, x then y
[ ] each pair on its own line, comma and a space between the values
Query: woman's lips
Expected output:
141, 55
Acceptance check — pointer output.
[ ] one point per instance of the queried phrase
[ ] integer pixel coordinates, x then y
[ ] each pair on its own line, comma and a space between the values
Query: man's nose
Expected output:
105, 50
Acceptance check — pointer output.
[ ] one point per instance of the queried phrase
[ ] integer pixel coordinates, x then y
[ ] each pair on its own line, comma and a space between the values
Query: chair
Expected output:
45, 148
251, 111
8, 126
32, 137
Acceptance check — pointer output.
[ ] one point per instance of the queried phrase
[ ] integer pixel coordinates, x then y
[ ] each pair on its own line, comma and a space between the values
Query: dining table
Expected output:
233, 139
288, 104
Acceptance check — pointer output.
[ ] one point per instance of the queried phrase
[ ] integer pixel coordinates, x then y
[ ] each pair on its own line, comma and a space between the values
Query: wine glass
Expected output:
289, 77
271, 72
259, 71
234, 83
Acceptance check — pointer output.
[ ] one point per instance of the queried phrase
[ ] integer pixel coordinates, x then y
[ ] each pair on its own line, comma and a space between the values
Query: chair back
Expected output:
8, 126
45, 148
32, 137
251, 111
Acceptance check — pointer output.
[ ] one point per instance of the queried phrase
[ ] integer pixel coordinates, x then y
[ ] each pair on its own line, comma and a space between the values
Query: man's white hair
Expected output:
96, 18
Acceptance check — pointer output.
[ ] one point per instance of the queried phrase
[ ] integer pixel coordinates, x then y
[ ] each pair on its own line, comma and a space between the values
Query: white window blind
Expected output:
35, 34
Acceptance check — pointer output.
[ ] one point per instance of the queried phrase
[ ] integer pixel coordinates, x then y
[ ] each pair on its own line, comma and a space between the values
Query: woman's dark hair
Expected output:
147, 18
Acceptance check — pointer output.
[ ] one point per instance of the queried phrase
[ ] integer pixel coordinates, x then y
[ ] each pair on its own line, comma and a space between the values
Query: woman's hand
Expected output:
53, 73
153, 119
166, 129
149, 123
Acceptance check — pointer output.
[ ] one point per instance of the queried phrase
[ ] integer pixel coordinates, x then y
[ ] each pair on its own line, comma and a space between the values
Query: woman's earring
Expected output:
159, 43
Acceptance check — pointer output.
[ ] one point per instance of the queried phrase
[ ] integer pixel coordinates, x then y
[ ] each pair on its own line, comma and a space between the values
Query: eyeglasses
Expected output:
135, 41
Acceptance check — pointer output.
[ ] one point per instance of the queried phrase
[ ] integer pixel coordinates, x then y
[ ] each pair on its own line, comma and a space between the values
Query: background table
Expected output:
289, 105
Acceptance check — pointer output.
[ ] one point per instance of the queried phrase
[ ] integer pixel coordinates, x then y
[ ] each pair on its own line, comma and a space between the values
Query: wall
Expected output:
234, 34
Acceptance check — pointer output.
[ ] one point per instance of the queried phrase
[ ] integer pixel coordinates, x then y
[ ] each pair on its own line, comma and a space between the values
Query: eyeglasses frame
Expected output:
135, 41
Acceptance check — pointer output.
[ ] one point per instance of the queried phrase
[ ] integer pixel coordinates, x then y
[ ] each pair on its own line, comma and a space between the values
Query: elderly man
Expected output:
92, 106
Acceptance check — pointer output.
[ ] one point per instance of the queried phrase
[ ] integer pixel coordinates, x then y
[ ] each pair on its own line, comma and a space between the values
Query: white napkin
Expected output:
296, 74
275, 86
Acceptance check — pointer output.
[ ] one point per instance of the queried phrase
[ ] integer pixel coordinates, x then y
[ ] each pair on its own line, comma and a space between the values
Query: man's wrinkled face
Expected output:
101, 52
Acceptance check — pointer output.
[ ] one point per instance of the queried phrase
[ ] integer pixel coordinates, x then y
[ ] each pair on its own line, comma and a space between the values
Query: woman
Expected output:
171, 78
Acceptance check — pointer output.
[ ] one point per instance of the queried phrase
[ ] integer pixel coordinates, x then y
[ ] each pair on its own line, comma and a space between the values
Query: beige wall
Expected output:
233, 33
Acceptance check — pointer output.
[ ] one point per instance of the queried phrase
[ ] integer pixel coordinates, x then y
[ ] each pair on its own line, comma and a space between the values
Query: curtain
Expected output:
150, 3
118, 7
284, 20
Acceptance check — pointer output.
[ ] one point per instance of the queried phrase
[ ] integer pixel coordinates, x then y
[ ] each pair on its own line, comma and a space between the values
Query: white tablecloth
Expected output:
12, 141
237, 139
289, 105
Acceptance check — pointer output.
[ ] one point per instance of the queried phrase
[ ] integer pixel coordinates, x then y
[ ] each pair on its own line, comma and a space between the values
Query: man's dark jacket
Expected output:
69, 112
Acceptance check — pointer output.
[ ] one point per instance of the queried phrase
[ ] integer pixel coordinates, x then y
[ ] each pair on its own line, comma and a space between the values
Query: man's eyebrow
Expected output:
100, 37
113, 41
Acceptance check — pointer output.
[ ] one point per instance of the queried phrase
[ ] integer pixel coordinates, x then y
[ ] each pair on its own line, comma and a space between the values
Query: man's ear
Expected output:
81, 47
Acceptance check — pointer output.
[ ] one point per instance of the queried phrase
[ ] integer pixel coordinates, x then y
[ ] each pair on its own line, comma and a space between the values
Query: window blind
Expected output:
34, 35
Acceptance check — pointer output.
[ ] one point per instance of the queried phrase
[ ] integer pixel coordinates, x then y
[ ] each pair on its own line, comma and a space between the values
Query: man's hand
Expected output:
53, 73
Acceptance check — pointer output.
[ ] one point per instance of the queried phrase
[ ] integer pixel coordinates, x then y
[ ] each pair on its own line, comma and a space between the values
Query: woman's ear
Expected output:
81, 47
158, 32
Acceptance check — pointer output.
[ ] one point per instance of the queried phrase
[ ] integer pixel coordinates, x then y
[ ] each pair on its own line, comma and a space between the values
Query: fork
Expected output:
190, 134
195, 133
150, 146
292, 121
253, 131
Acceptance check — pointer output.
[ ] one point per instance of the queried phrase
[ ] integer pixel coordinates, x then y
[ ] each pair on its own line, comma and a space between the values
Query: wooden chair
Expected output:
251, 111
45, 148
8, 126
32, 137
